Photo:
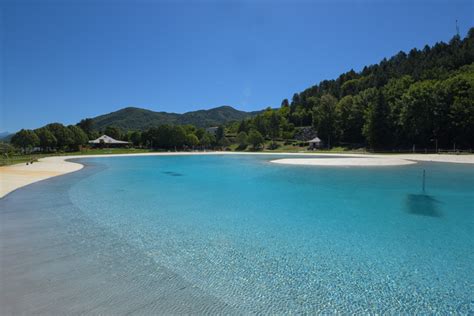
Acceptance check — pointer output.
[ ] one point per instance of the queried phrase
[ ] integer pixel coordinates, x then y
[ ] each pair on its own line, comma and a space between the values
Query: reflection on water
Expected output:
423, 204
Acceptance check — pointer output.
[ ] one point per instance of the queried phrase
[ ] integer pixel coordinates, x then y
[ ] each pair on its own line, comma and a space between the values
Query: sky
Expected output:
62, 61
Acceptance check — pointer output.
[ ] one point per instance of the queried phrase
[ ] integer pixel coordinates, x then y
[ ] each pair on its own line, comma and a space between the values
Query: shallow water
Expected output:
244, 235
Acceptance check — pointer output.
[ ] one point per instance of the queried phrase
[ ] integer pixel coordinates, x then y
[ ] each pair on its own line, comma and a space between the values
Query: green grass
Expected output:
15, 159
294, 148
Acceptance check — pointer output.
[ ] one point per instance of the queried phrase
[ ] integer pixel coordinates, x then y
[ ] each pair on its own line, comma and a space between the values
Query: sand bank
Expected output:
19, 175
344, 162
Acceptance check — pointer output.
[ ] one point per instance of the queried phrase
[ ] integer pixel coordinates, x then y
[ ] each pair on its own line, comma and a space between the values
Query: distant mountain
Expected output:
5, 136
132, 118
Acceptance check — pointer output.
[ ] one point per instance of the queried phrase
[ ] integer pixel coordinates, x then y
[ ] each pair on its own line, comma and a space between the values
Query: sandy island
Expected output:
19, 175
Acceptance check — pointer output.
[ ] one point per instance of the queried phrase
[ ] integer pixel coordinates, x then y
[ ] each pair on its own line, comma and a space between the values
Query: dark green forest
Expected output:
422, 99
132, 118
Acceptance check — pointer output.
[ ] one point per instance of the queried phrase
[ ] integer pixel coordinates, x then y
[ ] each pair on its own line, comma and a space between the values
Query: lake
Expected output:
238, 234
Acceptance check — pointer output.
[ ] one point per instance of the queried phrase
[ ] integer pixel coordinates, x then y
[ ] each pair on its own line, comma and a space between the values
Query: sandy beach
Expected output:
19, 175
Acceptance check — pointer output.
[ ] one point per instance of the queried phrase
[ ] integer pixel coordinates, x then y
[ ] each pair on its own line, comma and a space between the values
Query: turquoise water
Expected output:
278, 239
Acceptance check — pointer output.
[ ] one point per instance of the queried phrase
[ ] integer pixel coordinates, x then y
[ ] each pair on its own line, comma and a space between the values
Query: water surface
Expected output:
250, 236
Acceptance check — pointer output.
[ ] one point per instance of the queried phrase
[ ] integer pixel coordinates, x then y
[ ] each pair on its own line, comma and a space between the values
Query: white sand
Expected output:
19, 175
375, 160
341, 162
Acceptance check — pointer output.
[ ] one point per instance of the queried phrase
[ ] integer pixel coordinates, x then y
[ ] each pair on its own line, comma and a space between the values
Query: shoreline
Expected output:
19, 175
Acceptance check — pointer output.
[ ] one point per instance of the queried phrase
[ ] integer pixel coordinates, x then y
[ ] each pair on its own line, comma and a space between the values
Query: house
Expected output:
212, 130
314, 143
108, 141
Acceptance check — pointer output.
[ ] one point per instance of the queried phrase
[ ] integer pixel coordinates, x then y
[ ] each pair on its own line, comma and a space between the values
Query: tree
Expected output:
423, 112
178, 136
224, 142
458, 92
260, 125
377, 127
25, 139
192, 140
295, 101
206, 140
136, 138
393, 92
324, 119
113, 132
220, 133
244, 126
255, 139
273, 126
242, 140
47, 141
79, 138
86, 125
350, 119
63, 135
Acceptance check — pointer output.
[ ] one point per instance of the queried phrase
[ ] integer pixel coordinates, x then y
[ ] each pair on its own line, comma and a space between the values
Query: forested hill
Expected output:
132, 118
419, 98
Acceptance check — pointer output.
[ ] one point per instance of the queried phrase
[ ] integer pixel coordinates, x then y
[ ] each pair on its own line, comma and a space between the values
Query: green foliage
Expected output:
207, 140
224, 142
192, 140
377, 126
136, 138
350, 119
47, 141
87, 126
64, 136
165, 136
6, 150
412, 98
273, 123
242, 140
25, 139
423, 114
324, 119
140, 119
113, 132
256, 139
79, 137
220, 133
260, 124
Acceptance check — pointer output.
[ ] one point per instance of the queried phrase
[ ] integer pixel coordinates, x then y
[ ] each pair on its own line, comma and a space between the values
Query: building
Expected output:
314, 143
108, 141
212, 130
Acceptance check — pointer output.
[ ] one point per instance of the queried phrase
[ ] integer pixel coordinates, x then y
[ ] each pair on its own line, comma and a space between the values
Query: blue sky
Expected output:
67, 60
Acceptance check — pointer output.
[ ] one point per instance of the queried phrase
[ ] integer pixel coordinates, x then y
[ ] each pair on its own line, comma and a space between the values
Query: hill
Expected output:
132, 118
420, 99
5, 136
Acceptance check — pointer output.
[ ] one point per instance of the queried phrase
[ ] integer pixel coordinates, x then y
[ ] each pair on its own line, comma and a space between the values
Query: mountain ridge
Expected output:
135, 118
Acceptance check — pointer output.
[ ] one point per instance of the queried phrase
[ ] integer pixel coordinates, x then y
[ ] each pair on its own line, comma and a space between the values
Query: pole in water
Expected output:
424, 176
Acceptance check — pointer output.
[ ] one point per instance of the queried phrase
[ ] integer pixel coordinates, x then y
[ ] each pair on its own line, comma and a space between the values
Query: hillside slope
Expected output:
132, 118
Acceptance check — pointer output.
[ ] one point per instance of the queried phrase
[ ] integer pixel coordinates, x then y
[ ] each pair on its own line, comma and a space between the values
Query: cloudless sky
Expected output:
67, 60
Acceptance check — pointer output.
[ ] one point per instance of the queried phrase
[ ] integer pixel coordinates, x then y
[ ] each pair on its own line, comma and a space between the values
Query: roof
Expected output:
314, 140
104, 139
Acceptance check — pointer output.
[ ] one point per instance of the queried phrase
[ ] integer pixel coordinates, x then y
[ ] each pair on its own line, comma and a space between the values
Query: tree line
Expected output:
422, 98
57, 137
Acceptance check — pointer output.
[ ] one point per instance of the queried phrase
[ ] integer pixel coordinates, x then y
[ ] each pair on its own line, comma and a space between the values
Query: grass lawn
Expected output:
291, 148
14, 159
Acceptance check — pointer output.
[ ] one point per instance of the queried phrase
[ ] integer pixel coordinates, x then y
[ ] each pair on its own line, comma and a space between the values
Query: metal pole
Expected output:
424, 176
